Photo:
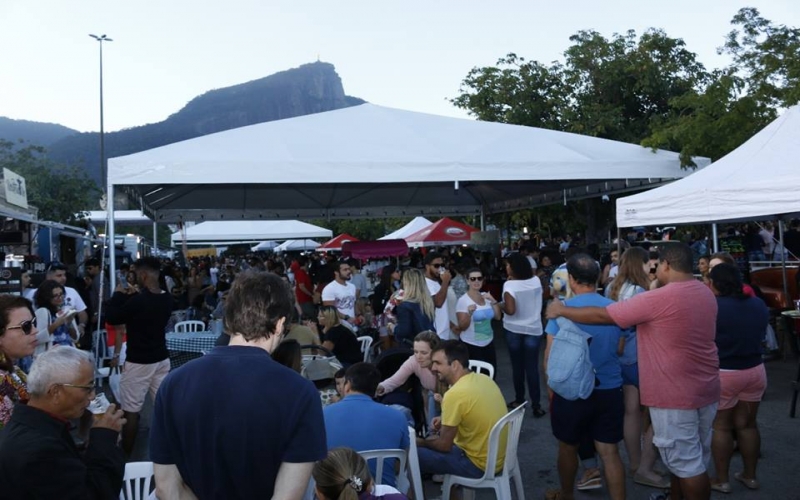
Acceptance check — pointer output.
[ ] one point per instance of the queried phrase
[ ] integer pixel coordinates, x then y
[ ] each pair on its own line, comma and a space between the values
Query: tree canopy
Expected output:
649, 89
59, 191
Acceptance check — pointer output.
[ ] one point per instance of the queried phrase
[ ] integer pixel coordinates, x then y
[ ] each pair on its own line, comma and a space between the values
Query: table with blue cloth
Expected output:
184, 347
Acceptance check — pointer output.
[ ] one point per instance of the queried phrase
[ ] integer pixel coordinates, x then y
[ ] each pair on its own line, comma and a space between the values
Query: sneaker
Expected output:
591, 480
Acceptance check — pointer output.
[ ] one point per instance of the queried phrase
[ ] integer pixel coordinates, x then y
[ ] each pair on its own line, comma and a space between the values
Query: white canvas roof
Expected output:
296, 245
412, 227
372, 161
241, 231
760, 178
264, 246
127, 217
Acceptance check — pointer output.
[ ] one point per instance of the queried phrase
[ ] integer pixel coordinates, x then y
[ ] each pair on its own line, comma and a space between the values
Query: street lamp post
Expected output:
101, 39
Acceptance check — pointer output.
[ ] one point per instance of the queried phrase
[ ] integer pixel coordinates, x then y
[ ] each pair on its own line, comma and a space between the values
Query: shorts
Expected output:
602, 416
741, 385
137, 380
683, 438
630, 374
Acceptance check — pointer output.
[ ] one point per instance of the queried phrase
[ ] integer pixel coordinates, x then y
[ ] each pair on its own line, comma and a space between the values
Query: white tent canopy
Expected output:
372, 161
412, 227
296, 245
127, 217
264, 246
758, 179
250, 231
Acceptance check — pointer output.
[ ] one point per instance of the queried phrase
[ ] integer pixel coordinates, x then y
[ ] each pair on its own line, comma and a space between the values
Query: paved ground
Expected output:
778, 470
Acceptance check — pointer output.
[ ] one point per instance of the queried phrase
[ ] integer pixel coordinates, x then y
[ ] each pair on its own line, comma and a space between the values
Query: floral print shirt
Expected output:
12, 391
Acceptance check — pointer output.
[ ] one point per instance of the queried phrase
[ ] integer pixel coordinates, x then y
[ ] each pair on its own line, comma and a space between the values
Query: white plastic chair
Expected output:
101, 355
137, 480
366, 343
190, 326
500, 483
481, 366
413, 466
380, 456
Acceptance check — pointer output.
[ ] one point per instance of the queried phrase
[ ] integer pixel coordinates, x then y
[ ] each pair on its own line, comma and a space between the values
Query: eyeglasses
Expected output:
88, 388
58, 295
476, 278
25, 326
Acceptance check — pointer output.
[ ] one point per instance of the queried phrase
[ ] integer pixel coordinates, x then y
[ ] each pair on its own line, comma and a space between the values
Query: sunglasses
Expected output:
437, 266
25, 326
476, 278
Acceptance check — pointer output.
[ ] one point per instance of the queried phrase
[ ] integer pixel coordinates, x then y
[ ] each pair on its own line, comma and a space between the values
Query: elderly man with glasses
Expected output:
38, 457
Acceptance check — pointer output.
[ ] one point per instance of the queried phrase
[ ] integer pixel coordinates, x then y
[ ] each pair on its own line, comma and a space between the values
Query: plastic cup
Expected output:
797, 305
99, 405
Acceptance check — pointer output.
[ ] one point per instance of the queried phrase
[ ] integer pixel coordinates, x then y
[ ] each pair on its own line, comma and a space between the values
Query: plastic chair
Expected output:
380, 456
100, 352
137, 481
413, 466
500, 483
481, 366
190, 326
366, 343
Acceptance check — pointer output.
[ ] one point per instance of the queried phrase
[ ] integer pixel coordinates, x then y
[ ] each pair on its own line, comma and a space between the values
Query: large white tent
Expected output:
249, 231
372, 161
758, 179
416, 224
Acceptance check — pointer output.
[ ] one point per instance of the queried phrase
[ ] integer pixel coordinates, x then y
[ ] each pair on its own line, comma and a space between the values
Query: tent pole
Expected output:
112, 251
714, 236
483, 220
155, 238
783, 263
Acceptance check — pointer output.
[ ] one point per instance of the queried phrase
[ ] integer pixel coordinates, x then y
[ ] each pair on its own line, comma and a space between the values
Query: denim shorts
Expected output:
683, 438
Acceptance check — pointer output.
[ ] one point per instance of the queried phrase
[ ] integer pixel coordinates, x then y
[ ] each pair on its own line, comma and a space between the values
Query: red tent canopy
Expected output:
444, 232
375, 249
335, 245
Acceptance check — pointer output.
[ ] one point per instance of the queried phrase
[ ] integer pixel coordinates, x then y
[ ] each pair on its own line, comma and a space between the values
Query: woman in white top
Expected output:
522, 305
55, 324
475, 312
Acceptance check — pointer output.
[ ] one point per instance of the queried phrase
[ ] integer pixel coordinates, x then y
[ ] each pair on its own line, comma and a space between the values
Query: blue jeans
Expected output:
524, 353
456, 462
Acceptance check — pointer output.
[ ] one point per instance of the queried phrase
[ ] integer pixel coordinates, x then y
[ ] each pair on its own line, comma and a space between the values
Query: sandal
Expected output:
514, 404
721, 487
538, 412
750, 483
591, 480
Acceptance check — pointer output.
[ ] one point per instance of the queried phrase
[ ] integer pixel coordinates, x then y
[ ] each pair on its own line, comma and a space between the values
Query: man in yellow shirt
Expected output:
470, 408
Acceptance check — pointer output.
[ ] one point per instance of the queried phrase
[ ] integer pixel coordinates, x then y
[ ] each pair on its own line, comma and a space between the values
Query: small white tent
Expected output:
264, 246
296, 246
250, 231
758, 179
412, 227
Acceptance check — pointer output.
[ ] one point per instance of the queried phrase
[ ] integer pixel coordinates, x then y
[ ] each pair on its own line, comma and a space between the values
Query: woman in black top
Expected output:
741, 325
337, 338
384, 290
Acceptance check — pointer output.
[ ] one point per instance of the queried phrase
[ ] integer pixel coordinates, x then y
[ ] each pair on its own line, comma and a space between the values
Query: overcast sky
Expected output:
411, 55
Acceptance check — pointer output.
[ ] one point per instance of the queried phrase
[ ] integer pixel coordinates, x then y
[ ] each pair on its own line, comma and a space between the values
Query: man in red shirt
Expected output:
304, 289
678, 364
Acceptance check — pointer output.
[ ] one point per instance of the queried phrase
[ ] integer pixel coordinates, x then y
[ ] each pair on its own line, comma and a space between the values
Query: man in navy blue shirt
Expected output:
234, 424
360, 423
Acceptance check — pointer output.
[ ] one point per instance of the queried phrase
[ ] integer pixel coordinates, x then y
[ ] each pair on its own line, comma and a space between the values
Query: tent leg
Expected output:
112, 251
783, 264
714, 237
155, 238
483, 220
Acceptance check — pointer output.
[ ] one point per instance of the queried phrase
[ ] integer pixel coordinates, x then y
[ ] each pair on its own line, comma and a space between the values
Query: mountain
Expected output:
38, 133
311, 88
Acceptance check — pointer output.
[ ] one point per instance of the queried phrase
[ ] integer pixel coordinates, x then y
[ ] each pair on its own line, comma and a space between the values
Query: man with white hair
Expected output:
38, 457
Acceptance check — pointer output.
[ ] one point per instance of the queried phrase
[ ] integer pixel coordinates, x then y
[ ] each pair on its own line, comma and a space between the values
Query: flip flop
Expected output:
645, 481
721, 487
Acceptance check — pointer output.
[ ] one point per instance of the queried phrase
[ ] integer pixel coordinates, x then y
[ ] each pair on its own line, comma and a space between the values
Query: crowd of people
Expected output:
672, 357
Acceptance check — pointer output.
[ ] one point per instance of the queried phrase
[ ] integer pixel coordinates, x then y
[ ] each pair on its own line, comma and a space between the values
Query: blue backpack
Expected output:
570, 372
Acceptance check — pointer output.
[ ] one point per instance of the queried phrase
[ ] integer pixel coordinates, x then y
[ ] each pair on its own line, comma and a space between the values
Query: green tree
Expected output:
58, 191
